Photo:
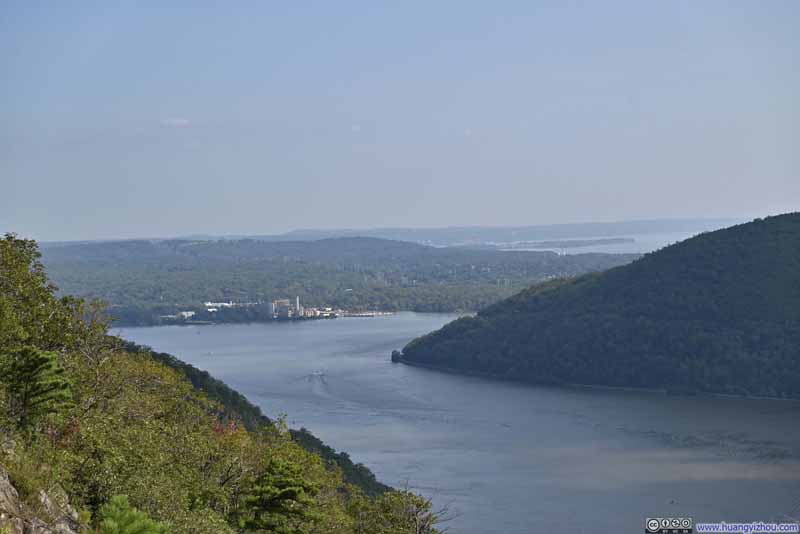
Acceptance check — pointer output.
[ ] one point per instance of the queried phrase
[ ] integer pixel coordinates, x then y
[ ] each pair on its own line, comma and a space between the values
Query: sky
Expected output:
155, 119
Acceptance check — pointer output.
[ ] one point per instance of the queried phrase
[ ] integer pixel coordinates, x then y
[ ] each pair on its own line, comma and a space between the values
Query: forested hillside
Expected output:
98, 436
142, 280
716, 313
251, 416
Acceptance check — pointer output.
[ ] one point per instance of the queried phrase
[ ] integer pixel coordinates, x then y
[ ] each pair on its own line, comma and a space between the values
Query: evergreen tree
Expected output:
280, 500
34, 384
119, 517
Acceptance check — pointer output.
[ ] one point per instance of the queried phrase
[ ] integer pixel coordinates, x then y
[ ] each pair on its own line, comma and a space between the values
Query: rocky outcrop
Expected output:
55, 517
64, 519
11, 514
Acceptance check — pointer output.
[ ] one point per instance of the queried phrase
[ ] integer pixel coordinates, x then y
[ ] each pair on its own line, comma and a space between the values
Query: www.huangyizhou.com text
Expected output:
746, 528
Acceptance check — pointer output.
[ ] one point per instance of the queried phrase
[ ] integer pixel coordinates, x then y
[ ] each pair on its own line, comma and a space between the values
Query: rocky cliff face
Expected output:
10, 509
55, 515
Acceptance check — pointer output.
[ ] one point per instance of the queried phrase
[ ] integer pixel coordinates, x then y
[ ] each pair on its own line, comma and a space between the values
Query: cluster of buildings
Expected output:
180, 316
280, 309
286, 309
212, 307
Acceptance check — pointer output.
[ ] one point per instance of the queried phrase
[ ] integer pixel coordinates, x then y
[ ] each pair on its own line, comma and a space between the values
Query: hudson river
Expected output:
506, 458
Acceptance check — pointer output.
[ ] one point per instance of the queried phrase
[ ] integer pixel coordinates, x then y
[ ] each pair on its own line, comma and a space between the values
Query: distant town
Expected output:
275, 310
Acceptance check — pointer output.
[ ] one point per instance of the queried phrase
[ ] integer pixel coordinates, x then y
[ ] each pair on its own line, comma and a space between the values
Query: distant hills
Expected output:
481, 235
717, 313
144, 280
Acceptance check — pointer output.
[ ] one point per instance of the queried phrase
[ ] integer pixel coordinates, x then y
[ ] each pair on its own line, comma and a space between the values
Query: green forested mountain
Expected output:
103, 437
144, 279
716, 313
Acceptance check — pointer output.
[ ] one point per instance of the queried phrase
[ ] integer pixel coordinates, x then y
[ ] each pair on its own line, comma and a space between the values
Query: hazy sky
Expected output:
123, 119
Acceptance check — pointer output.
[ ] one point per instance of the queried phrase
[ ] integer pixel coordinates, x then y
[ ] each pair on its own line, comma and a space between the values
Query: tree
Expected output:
34, 384
119, 517
280, 500
30, 311
397, 512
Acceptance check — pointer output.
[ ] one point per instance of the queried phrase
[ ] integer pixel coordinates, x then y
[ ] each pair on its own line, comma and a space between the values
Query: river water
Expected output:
505, 458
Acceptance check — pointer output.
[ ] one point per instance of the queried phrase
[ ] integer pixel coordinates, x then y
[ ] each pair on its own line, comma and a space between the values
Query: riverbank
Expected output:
247, 319
572, 385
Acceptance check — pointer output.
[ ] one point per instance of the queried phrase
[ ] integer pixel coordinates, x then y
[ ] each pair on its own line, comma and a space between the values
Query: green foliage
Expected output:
396, 512
25, 294
34, 385
117, 516
235, 404
30, 312
137, 426
354, 473
236, 407
143, 280
280, 500
717, 313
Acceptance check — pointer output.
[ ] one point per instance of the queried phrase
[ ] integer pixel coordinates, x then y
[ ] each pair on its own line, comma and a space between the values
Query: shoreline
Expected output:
598, 387
354, 315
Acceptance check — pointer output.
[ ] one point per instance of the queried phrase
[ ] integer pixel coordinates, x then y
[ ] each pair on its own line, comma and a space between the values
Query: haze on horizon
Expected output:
143, 120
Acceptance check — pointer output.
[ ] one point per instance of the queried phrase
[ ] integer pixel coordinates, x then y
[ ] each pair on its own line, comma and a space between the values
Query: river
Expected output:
505, 458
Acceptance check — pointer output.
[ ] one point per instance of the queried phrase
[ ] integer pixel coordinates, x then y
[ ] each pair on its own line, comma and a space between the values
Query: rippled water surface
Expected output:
506, 458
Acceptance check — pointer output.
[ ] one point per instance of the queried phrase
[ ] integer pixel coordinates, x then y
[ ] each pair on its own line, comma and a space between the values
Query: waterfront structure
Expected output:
286, 309
218, 305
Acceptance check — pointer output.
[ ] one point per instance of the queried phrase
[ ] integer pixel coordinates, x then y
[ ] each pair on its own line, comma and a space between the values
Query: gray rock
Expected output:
10, 508
15, 518
65, 518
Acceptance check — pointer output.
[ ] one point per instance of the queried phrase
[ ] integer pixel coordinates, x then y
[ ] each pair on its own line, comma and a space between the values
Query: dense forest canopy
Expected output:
718, 313
101, 436
142, 280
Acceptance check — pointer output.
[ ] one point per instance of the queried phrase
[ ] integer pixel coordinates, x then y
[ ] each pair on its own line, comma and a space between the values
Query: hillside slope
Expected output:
716, 313
94, 432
